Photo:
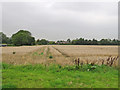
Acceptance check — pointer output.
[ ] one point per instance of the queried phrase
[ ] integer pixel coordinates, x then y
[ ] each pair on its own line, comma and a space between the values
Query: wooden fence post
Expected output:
78, 61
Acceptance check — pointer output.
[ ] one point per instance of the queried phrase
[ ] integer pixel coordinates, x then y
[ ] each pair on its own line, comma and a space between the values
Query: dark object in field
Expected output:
111, 60
108, 60
92, 64
76, 61
14, 52
50, 57
102, 62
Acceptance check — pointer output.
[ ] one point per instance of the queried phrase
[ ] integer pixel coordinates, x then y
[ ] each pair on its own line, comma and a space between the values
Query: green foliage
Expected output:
23, 37
4, 38
50, 57
57, 76
42, 42
10, 45
68, 40
82, 41
51, 42
35, 53
6, 66
41, 53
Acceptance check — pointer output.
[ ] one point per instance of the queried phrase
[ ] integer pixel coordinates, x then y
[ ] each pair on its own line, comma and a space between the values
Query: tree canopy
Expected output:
4, 38
23, 37
83, 41
42, 42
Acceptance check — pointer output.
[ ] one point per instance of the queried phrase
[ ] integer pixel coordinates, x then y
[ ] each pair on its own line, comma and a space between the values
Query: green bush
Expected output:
50, 57
6, 66
10, 45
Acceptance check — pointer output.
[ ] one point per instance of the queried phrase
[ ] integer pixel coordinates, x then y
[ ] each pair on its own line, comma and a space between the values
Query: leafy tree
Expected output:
105, 42
82, 41
42, 42
115, 42
23, 37
51, 43
74, 42
4, 38
94, 42
68, 40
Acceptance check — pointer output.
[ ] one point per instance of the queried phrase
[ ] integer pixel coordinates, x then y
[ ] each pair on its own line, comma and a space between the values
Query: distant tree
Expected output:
74, 42
51, 42
9, 41
42, 42
89, 42
81, 41
115, 42
94, 42
37, 41
68, 40
23, 37
118, 42
4, 38
104, 42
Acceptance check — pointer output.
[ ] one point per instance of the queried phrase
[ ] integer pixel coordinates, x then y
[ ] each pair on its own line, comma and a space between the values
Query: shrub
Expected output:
50, 57
14, 52
6, 66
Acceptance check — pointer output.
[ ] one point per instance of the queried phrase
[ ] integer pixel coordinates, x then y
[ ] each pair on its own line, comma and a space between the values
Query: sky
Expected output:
53, 20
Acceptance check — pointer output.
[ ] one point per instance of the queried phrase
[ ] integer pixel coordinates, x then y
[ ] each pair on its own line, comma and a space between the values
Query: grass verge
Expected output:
57, 76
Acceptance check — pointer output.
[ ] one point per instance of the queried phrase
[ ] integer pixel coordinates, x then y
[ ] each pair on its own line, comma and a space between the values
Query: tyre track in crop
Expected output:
45, 51
60, 57
54, 52
64, 54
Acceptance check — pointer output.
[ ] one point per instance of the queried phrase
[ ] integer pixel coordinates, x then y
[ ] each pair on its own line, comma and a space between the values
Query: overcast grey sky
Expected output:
62, 20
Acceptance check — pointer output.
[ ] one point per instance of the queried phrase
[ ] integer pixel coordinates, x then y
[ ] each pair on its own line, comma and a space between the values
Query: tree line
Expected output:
24, 37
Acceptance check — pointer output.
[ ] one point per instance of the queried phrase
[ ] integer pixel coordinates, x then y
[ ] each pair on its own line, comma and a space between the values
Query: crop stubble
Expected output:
62, 54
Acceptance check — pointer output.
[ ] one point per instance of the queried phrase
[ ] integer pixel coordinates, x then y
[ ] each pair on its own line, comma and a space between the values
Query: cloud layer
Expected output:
62, 20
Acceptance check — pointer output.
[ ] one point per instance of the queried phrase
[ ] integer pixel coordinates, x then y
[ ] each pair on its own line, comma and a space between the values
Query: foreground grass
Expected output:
56, 76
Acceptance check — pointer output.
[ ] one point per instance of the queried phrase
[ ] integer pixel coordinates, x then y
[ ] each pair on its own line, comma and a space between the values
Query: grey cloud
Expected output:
64, 20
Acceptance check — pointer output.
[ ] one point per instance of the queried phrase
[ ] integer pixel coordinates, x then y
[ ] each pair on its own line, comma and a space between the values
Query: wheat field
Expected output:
58, 54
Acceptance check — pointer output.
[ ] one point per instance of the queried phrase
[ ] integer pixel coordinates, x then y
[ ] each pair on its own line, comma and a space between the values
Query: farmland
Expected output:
54, 66
61, 54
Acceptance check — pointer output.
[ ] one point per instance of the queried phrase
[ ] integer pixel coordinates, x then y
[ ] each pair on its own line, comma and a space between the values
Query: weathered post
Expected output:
102, 62
78, 61
108, 60
75, 61
112, 61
